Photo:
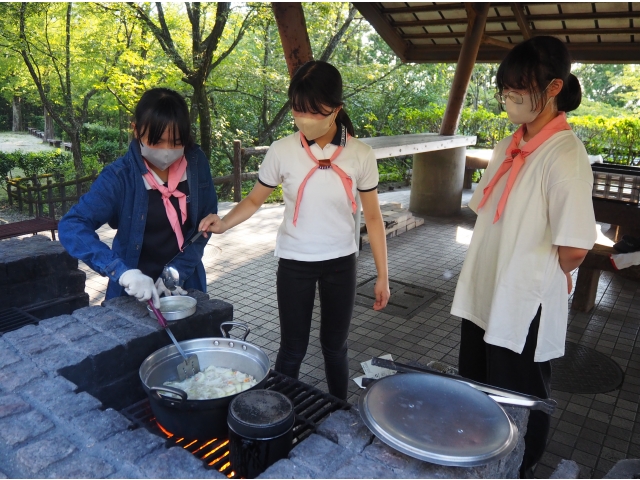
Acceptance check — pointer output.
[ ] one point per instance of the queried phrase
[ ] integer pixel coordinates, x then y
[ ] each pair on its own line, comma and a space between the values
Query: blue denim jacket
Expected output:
118, 197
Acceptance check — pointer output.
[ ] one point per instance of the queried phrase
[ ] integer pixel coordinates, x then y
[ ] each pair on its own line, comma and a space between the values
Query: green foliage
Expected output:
34, 163
616, 139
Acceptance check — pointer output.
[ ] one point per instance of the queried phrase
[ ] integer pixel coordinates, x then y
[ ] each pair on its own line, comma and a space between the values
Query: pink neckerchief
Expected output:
176, 171
516, 157
323, 164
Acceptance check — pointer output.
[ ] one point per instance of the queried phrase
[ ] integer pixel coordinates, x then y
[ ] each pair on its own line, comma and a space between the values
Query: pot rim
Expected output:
199, 345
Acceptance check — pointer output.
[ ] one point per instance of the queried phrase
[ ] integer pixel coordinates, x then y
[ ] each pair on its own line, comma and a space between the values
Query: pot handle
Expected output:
225, 333
156, 392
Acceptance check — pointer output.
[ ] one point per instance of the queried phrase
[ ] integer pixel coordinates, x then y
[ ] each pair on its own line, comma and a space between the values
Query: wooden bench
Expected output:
596, 261
67, 146
475, 160
25, 227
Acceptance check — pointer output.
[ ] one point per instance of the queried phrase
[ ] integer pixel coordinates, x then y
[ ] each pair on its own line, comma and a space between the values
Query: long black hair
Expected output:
318, 83
160, 108
533, 64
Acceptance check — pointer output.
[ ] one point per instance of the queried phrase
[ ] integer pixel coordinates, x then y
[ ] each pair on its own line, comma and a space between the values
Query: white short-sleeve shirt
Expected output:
512, 267
326, 227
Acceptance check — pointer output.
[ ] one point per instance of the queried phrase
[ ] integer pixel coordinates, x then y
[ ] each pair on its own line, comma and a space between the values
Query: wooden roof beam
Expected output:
580, 52
518, 12
531, 18
511, 33
293, 34
443, 7
498, 43
381, 25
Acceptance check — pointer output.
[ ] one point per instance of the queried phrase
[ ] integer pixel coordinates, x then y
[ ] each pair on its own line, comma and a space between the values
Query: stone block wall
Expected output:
58, 418
38, 276
344, 447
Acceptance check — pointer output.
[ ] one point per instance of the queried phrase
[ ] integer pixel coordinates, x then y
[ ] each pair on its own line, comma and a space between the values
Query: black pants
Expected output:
505, 368
296, 287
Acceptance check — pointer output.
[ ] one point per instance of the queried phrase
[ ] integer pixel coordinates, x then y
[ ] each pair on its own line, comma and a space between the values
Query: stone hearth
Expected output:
38, 276
63, 381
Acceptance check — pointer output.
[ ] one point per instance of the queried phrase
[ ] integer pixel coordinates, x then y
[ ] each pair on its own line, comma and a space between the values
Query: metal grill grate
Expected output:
14, 318
311, 406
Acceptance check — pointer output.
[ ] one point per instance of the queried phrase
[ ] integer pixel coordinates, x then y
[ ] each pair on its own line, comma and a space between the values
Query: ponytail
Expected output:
344, 119
570, 96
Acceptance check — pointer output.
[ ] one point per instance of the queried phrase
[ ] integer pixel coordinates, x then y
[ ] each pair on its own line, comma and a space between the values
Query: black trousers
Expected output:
296, 289
505, 368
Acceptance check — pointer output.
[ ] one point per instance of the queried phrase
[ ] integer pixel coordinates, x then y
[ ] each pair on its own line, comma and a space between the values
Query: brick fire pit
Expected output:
63, 382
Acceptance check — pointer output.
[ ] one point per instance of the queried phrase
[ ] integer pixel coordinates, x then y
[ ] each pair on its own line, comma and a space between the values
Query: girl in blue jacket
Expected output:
155, 196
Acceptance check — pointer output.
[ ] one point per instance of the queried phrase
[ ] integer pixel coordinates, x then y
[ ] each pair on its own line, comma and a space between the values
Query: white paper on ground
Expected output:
371, 371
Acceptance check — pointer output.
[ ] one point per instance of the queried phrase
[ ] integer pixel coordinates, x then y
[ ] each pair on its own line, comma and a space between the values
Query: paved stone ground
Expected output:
12, 141
594, 430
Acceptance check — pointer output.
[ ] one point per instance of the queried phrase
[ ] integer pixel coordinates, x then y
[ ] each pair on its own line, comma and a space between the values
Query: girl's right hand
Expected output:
212, 223
569, 281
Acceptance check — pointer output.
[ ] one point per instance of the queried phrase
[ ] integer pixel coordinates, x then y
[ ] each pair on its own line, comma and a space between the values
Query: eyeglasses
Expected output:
515, 97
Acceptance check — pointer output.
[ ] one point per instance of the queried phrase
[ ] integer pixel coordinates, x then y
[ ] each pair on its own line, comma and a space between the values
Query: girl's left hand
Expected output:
382, 293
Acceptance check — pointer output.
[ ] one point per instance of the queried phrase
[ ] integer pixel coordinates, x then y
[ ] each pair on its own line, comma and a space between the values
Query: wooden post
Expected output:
61, 192
30, 200
19, 196
293, 34
477, 13
584, 295
9, 185
52, 209
237, 170
39, 202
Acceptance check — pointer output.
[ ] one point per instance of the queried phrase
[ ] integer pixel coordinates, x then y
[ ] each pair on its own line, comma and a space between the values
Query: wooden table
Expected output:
626, 217
438, 168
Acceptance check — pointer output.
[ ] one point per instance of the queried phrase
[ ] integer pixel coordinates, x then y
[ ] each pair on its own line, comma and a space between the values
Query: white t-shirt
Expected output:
325, 228
512, 267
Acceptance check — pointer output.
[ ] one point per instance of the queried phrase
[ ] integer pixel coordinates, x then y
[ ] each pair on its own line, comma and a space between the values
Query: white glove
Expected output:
138, 285
163, 290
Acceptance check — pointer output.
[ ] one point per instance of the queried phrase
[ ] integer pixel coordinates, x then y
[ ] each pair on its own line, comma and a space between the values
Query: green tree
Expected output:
195, 58
67, 56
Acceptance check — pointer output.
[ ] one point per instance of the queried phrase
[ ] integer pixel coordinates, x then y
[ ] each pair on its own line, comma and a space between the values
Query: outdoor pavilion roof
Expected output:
430, 32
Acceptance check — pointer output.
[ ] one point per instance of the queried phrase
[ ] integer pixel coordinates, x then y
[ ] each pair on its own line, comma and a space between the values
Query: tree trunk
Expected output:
48, 126
77, 153
200, 95
17, 114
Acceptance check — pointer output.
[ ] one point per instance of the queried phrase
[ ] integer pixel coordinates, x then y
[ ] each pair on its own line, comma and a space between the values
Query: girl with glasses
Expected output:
535, 225
322, 169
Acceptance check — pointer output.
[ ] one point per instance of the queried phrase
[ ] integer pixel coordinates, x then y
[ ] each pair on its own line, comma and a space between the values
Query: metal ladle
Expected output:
191, 364
171, 276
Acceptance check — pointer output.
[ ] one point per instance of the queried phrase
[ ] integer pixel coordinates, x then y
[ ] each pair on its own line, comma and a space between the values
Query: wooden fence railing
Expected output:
43, 197
237, 176
46, 195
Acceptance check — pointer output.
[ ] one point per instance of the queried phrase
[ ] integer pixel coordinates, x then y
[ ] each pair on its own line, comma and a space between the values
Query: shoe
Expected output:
628, 244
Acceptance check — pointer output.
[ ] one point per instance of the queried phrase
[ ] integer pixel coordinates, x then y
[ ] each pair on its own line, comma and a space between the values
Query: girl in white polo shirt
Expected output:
535, 225
322, 169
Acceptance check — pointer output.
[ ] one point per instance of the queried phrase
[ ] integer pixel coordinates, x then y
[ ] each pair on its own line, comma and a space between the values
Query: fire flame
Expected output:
206, 444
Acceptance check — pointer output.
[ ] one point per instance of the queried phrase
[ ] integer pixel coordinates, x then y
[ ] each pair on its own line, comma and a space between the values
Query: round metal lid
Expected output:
437, 419
260, 414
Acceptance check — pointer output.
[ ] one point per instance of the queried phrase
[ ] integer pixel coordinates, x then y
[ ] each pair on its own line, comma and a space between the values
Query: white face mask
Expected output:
162, 158
313, 128
524, 112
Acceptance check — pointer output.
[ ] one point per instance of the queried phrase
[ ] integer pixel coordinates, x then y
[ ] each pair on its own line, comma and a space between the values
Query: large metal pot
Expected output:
199, 419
